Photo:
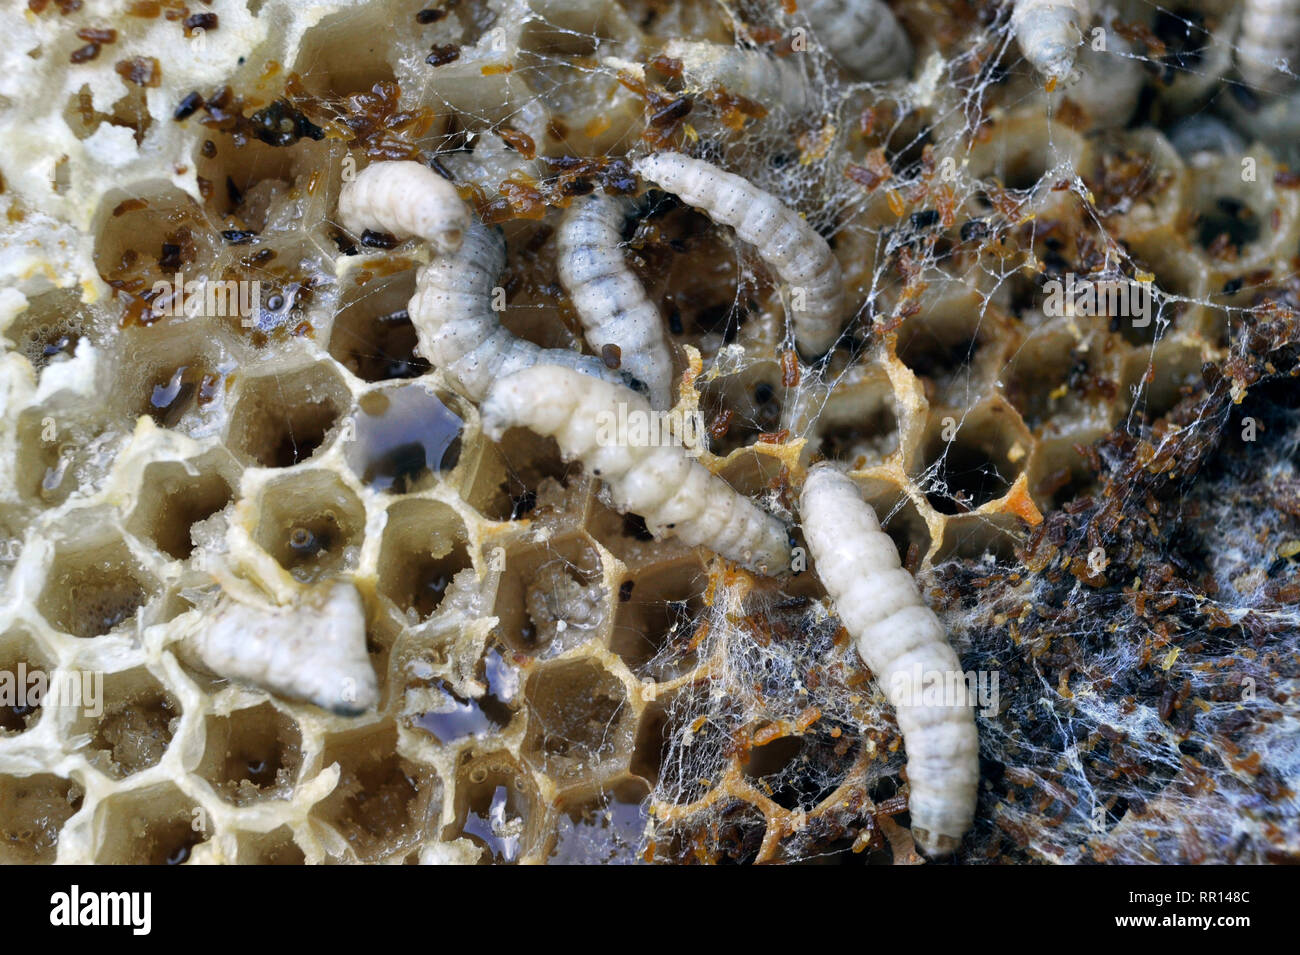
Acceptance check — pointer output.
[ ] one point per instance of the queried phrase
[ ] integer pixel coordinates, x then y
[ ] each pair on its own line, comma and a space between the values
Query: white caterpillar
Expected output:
607, 295
864, 36
753, 74
676, 495
459, 332
1270, 34
405, 199
902, 642
1109, 83
314, 650
782, 239
1049, 31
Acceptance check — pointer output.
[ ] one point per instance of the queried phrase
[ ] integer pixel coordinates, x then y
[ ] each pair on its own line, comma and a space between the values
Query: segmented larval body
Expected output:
405, 199
864, 36
608, 296
782, 239
753, 74
903, 643
313, 650
1270, 35
675, 494
1049, 33
459, 331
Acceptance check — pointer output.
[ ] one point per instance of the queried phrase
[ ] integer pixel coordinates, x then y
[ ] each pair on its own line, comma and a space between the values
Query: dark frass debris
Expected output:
280, 124
188, 106
443, 54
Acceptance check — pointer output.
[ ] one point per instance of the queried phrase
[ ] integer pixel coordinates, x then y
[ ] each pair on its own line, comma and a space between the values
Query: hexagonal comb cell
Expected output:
50, 327
280, 420
974, 535
552, 49
1232, 214
175, 375
580, 724
423, 549
1053, 373
92, 590
158, 825
383, 803
404, 438
653, 736
311, 523
943, 346
32, 811
265, 181
739, 408
521, 472
24, 676
1156, 380
453, 719
974, 458
1024, 151
497, 808
62, 452
857, 424
655, 626
797, 772
268, 848
372, 335
172, 500
138, 721
605, 829
251, 754
692, 266
343, 52
185, 244
550, 597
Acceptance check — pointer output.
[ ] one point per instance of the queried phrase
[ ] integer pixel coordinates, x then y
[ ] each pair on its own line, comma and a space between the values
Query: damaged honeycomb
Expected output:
1105, 512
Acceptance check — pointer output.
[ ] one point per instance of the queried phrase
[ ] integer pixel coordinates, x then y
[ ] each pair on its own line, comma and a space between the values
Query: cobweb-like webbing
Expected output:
1093, 742
1122, 631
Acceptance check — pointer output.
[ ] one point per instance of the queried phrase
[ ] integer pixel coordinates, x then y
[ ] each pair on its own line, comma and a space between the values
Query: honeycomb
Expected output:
556, 686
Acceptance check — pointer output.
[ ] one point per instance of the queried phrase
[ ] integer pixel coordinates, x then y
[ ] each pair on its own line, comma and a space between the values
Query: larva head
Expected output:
406, 199
825, 476
443, 217
446, 216
654, 166
448, 239
773, 557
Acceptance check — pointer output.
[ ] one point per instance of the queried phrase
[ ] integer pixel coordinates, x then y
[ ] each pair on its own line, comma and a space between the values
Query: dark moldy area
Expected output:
1133, 689
1133, 679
